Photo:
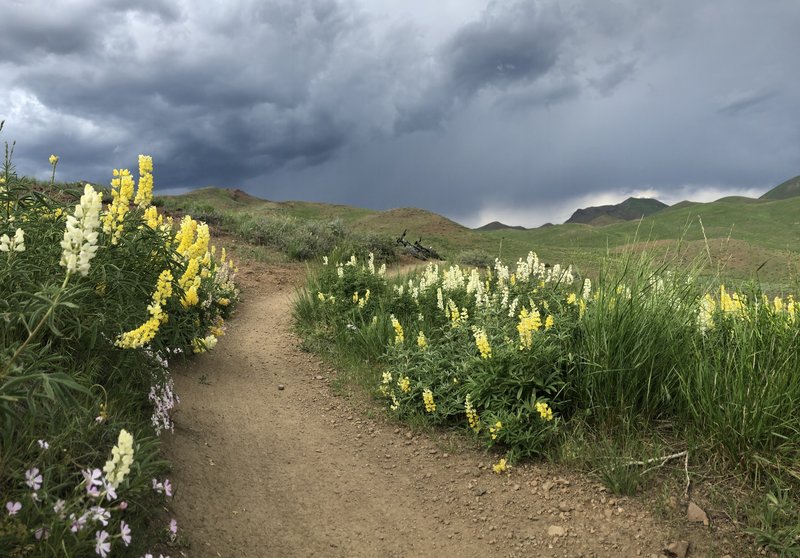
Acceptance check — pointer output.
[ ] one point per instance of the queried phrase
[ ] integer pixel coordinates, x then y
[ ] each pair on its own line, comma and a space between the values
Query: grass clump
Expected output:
94, 301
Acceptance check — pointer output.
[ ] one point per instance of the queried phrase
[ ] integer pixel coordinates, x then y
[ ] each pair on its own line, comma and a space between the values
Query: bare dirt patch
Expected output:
269, 462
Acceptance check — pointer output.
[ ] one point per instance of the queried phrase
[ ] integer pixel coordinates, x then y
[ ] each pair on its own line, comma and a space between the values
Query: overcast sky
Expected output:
520, 111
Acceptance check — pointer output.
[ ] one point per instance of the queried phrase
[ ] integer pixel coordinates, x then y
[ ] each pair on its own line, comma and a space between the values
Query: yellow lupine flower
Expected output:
421, 341
119, 465
472, 415
404, 383
152, 218
427, 398
190, 297
493, 430
144, 193
544, 411
529, 322
482, 342
398, 330
121, 192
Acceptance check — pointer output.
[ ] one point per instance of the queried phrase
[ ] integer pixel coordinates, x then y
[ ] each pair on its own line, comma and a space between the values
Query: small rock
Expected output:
479, 491
281, 387
677, 549
547, 486
564, 507
695, 514
318, 377
515, 487
556, 531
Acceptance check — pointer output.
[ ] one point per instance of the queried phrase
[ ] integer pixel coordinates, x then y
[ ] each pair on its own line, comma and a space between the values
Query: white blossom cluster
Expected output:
80, 236
13, 244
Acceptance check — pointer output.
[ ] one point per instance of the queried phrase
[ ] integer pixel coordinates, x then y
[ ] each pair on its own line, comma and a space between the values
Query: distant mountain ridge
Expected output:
497, 226
630, 209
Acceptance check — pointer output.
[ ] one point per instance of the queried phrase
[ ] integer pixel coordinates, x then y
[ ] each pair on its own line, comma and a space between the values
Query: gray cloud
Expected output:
463, 108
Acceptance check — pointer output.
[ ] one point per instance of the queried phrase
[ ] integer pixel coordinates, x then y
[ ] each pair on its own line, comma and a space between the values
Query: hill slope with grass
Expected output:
746, 238
784, 190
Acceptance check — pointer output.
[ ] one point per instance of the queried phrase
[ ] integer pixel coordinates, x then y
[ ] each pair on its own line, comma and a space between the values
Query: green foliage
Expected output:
74, 372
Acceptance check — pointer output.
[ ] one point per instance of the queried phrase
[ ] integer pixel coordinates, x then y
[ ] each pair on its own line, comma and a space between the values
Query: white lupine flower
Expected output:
371, 263
80, 236
453, 278
587, 289
474, 284
15, 244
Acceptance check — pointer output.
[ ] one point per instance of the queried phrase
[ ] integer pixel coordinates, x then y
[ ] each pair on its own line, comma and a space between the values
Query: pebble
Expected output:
281, 387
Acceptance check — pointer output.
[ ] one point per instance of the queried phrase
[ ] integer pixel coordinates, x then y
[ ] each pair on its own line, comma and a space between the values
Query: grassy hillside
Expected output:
739, 233
788, 189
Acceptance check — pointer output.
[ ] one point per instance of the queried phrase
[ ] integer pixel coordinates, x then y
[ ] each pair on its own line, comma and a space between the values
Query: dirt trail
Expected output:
268, 462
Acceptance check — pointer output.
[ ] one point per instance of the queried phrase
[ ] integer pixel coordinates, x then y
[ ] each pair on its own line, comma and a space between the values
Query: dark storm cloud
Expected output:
516, 43
471, 108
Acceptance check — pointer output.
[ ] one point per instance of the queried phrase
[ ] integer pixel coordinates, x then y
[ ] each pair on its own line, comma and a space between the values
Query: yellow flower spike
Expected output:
121, 192
421, 341
398, 330
427, 398
144, 193
53, 159
494, 430
472, 415
404, 384
482, 342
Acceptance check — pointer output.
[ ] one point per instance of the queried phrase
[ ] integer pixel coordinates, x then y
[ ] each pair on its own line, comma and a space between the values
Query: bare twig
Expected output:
663, 460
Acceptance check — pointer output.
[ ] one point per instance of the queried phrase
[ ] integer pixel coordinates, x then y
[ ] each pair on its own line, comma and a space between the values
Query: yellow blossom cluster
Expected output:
529, 322
119, 465
398, 330
404, 383
152, 217
494, 430
144, 193
193, 245
121, 192
500, 466
544, 411
422, 342
482, 342
427, 399
472, 415
147, 331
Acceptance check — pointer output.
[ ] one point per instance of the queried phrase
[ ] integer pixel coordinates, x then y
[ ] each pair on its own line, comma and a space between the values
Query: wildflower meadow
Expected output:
533, 360
96, 300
